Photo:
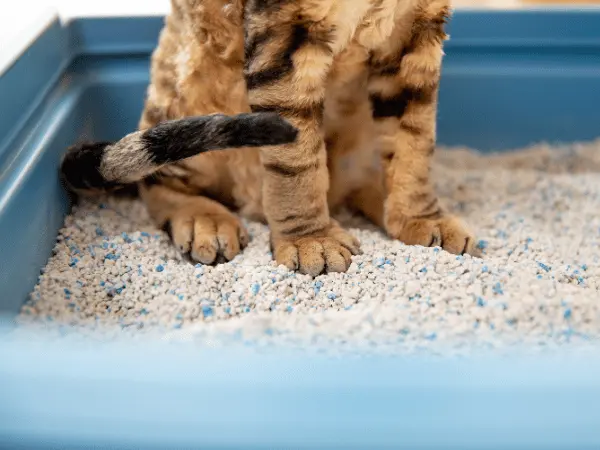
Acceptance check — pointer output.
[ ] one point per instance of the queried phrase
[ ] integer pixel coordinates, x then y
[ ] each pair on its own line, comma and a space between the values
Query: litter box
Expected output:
510, 78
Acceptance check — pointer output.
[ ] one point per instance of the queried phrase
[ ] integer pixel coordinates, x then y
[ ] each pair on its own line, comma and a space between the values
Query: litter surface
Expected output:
535, 211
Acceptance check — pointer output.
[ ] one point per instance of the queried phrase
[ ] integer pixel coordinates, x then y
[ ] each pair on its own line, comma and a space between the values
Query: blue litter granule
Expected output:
255, 288
227, 310
331, 296
207, 311
144, 312
436, 250
73, 262
105, 245
181, 297
389, 262
289, 309
126, 238
584, 267
481, 302
567, 314
423, 270
485, 269
247, 309
144, 234
103, 283
99, 231
497, 289
431, 337
544, 266
539, 277
92, 251
482, 245
318, 286
269, 332
160, 268
112, 256
177, 326
379, 262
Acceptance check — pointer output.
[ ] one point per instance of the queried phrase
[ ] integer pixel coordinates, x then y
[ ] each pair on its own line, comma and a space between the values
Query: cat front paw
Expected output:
328, 251
207, 238
447, 232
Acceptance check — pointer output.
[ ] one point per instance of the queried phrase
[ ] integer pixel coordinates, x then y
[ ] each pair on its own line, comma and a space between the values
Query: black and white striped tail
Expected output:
111, 165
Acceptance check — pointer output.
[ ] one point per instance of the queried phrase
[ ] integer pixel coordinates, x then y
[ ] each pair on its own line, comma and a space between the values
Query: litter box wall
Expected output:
510, 79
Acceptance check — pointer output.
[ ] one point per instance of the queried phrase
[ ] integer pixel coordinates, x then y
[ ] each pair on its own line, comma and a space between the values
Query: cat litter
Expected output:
535, 211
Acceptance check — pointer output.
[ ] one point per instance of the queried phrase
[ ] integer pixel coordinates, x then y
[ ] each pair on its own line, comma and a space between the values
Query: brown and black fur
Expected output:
357, 78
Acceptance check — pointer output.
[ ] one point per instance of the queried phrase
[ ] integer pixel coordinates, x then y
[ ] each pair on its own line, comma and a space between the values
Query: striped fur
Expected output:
109, 165
359, 81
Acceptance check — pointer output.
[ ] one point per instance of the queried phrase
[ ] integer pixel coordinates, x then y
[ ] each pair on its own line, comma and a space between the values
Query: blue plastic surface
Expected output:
164, 397
510, 79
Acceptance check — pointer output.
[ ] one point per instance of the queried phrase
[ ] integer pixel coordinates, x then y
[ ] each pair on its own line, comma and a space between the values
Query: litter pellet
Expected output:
536, 213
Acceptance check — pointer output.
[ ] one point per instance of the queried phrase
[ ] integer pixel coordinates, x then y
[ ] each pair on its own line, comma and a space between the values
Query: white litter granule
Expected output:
536, 211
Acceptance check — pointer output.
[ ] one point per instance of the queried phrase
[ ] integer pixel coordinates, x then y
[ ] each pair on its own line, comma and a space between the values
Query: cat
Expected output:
357, 79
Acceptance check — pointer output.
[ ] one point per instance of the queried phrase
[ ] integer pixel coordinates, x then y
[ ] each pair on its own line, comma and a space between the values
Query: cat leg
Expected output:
197, 69
404, 87
288, 58
348, 126
198, 226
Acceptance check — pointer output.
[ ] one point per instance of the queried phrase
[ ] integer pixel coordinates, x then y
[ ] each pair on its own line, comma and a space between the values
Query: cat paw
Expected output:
207, 238
328, 251
448, 232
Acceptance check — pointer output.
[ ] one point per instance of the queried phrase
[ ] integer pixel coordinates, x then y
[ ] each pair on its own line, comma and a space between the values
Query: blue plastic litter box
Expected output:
509, 79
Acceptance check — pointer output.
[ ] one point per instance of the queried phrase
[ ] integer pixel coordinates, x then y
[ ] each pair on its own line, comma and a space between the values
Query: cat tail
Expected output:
105, 166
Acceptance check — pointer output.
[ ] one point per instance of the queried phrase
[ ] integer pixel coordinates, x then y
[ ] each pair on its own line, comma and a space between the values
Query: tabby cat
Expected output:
358, 80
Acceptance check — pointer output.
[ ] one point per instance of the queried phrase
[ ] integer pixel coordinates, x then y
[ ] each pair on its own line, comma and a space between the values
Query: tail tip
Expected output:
80, 167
